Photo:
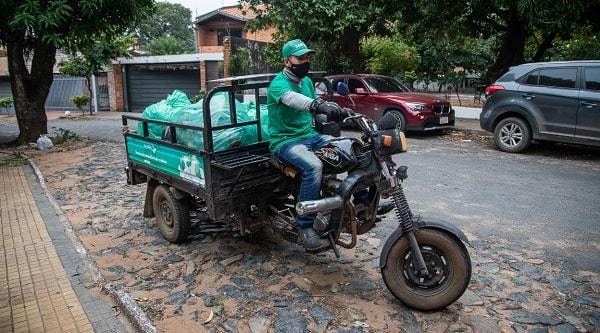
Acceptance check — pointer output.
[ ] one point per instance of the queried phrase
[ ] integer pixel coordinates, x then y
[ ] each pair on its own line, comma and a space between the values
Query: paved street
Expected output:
549, 197
534, 219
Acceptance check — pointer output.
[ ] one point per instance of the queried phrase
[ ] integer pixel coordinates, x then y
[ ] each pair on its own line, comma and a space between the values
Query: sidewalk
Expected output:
42, 280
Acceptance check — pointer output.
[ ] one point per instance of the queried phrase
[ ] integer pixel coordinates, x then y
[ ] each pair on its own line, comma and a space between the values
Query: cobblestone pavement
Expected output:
217, 282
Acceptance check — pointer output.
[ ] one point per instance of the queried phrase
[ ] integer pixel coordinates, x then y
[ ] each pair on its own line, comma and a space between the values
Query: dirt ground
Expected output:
218, 282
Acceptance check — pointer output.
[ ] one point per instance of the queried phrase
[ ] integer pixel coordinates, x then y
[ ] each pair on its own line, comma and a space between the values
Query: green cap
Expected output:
296, 48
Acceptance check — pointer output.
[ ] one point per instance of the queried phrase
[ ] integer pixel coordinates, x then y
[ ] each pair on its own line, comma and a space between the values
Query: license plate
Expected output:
443, 120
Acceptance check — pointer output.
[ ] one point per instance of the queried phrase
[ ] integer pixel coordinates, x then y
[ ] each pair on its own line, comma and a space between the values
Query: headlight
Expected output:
418, 107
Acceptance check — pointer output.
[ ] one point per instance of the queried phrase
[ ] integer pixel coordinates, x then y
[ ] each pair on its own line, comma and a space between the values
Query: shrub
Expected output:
6, 102
240, 62
80, 101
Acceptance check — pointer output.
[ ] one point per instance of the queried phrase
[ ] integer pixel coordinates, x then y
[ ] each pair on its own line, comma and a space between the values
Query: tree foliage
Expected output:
168, 28
91, 58
388, 55
336, 27
32, 30
509, 22
167, 45
240, 62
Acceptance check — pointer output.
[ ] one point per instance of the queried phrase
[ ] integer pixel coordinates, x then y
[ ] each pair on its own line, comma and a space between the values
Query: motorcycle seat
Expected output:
287, 170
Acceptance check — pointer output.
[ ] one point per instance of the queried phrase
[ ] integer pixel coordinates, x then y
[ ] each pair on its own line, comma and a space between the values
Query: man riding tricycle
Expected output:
307, 183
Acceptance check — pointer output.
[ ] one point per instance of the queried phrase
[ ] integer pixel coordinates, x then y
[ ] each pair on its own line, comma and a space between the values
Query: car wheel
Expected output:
400, 120
512, 135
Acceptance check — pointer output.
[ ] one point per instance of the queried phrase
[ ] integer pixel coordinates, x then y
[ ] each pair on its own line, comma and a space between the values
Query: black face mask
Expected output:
300, 70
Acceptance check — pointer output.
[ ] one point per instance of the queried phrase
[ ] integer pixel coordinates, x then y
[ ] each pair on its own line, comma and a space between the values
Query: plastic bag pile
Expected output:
177, 108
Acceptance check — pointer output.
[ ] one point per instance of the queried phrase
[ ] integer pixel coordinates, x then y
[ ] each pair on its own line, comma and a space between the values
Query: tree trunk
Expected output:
89, 88
30, 89
351, 45
512, 48
545, 45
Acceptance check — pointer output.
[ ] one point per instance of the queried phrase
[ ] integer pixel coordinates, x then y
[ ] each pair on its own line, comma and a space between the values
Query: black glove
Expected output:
330, 109
345, 113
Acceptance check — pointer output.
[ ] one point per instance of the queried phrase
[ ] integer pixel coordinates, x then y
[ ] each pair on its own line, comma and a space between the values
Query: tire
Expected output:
172, 215
401, 120
512, 135
456, 271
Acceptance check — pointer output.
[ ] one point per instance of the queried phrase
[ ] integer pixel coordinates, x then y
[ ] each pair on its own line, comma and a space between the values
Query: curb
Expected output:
127, 304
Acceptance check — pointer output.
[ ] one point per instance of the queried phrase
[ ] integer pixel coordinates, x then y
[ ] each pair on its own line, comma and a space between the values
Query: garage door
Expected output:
148, 84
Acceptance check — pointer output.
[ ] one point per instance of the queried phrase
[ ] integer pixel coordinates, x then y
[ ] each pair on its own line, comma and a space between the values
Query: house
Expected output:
212, 28
138, 82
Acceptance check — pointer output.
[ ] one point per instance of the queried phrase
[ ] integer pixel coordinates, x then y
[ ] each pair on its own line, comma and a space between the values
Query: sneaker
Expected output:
309, 238
384, 208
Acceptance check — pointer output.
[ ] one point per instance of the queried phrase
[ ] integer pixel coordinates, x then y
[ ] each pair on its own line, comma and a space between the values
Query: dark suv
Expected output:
550, 101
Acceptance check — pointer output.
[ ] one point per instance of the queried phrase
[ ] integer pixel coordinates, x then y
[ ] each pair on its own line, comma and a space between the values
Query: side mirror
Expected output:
360, 91
321, 87
342, 89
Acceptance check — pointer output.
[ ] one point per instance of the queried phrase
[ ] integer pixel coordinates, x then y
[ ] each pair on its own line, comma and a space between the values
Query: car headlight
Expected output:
419, 107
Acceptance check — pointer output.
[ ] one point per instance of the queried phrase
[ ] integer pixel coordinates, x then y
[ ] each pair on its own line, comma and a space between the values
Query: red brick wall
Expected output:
117, 89
210, 49
261, 35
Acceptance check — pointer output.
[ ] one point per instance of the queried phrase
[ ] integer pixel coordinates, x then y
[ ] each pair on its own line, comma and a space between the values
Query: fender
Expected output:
429, 223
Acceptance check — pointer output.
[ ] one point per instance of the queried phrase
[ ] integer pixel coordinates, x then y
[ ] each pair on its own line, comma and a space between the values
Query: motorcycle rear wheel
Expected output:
444, 256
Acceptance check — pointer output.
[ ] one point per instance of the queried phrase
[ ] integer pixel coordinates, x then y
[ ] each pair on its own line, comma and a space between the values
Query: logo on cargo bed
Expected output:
150, 147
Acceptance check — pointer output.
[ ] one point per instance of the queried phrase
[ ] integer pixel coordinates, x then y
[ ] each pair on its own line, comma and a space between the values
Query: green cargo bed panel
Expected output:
163, 158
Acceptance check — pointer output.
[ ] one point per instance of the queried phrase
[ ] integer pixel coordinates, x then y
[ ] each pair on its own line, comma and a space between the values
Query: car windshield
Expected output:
385, 84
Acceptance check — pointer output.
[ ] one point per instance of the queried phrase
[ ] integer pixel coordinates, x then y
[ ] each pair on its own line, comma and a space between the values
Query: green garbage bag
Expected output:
177, 108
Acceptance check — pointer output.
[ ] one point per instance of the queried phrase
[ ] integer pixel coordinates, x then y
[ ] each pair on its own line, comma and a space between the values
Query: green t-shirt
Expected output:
287, 124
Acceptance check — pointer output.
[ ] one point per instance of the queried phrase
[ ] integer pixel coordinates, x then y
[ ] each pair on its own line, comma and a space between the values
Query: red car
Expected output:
376, 95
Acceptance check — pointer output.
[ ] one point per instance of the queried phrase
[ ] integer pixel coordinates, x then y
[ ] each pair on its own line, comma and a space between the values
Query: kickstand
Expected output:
332, 243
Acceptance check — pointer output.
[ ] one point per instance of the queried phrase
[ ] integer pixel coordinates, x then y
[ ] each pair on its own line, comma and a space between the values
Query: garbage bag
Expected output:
177, 108
43, 143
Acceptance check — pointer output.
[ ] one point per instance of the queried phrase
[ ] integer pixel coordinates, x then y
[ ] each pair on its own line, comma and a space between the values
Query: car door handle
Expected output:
528, 96
589, 105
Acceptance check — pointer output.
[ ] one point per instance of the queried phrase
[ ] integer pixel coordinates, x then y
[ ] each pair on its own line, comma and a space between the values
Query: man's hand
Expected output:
346, 112
332, 110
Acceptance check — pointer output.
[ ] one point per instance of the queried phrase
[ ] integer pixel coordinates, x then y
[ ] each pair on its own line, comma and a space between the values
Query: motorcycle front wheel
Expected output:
447, 261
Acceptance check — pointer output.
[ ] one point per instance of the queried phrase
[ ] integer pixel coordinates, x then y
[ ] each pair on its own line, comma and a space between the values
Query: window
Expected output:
592, 78
353, 84
334, 84
507, 77
532, 78
385, 84
222, 33
558, 77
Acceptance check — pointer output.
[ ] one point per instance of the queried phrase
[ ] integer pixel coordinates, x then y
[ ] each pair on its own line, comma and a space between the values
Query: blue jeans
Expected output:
299, 154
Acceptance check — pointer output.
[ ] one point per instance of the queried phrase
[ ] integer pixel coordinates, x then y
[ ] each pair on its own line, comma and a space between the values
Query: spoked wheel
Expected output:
400, 120
512, 135
172, 215
449, 269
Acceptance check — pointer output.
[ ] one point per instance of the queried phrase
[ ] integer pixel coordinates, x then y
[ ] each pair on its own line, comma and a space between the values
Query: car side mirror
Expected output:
360, 91
342, 89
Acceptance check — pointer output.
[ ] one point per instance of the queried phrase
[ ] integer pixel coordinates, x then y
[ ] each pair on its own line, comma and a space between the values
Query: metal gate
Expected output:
149, 84
102, 92
63, 87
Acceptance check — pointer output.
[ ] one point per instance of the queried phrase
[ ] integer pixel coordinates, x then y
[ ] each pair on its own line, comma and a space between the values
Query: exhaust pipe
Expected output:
315, 206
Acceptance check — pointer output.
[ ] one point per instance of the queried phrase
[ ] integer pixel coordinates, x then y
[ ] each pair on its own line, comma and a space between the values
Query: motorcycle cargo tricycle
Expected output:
424, 262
